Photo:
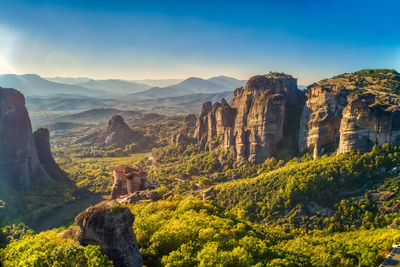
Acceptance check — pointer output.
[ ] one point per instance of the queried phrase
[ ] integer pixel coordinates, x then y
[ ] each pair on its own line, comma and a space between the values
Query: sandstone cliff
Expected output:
19, 161
365, 123
352, 111
320, 120
261, 120
42, 141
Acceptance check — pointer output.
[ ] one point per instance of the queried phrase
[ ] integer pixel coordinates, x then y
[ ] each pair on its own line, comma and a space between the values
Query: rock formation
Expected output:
189, 122
320, 120
365, 123
261, 120
139, 196
19, 161
127, 181
184, 135
42, 141
181, 137
108, 225
352, 111
118, 132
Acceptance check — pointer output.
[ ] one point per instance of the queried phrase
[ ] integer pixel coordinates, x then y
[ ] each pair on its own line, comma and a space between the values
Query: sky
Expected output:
150, 39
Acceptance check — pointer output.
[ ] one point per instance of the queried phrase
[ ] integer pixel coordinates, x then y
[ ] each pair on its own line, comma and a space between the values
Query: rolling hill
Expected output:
120, 87
190, 86
34, 85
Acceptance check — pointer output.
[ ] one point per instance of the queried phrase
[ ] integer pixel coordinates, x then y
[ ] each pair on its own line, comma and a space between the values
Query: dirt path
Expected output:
66, 214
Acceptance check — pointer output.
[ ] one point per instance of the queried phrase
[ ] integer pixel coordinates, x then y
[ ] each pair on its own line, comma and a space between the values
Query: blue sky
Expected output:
177, 39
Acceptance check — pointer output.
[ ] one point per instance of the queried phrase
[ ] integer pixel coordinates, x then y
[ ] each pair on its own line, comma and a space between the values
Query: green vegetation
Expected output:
332, 211
50, 249
115, 209
186, 169
332, 191
94, 174
191, 232
369, 80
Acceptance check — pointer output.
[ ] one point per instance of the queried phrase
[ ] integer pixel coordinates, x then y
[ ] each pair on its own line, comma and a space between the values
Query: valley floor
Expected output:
65, 215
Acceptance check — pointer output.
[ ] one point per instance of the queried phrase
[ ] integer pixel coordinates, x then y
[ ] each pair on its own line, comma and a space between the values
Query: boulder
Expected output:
108, 225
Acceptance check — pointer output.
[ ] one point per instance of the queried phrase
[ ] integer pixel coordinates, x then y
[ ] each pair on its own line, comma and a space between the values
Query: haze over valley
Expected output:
208, 133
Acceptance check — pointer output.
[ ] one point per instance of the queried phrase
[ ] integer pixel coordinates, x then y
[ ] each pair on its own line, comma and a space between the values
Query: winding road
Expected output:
393, 258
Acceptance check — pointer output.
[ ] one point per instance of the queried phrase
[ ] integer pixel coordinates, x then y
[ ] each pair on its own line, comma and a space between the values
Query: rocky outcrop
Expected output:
108, 225
261, 120
271, 117
19, 161
320, 121
139, 196
184, 135
42, 141
337, 119
181, 137
366, 123
127, 181
118, 135
118, 132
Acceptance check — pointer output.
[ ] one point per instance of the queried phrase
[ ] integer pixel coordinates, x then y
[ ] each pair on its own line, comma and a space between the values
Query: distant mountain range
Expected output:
65, 103
190, 86
159, 82
120, 87
34, 85
68, 80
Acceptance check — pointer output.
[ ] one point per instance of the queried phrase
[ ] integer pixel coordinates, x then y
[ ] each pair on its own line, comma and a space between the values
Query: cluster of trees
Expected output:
192, 232
185, 168
50, 249
332, 211
94, 174
337, 186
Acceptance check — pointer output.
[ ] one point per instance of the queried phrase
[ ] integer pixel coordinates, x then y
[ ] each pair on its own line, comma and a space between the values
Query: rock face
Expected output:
189, 122
365, 123
42, 140
19, 161
109, 226
127, 181
118, 132
320, 121
352, 111
181, 137
261, 119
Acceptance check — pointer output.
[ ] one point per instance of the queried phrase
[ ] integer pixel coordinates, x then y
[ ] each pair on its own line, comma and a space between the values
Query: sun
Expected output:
8, 39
